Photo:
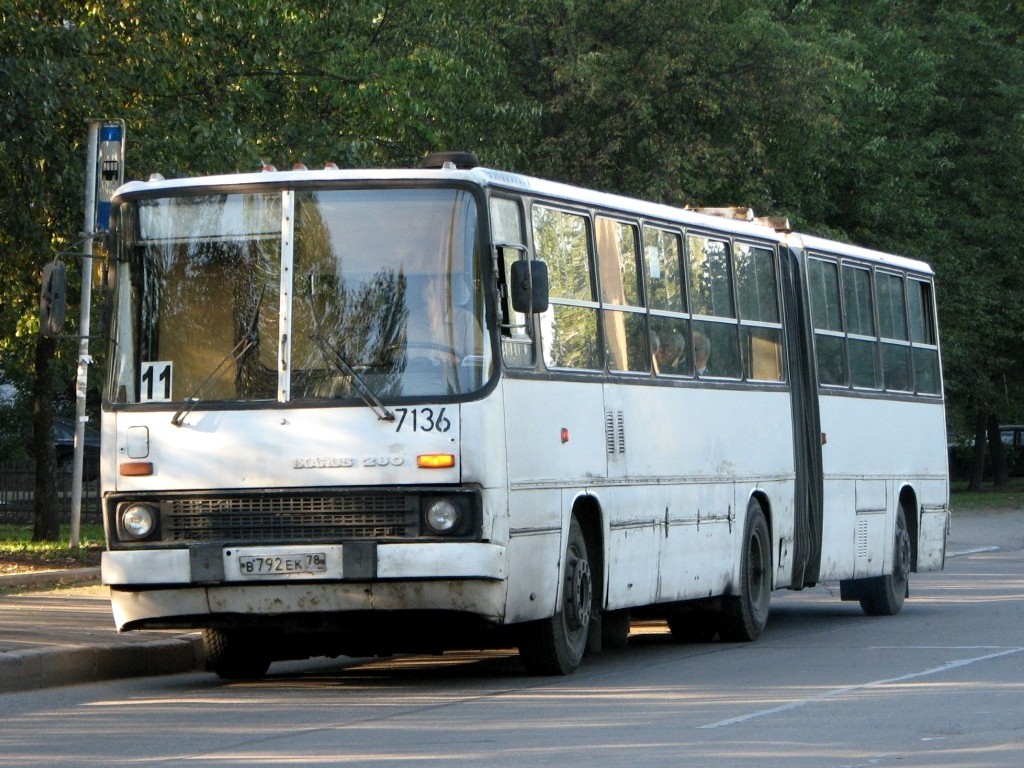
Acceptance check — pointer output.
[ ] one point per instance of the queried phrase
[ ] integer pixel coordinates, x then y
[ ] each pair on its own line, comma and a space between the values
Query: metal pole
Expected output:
83, 328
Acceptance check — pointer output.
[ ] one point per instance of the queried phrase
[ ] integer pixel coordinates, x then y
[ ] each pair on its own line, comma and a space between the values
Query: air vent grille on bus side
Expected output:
615, 431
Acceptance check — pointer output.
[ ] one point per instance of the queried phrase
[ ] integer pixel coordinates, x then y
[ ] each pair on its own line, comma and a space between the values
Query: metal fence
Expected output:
17, 494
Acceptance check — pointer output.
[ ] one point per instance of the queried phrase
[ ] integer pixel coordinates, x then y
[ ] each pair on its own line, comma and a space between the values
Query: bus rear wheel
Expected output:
884, 595
745, 615
555, 646
234, 656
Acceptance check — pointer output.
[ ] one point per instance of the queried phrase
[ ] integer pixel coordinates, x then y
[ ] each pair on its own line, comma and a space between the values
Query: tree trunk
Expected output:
978, 464
47, 510
1000, 472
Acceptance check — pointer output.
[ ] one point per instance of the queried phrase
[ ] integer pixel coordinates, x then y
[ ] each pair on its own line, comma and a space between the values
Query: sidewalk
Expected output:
64, 635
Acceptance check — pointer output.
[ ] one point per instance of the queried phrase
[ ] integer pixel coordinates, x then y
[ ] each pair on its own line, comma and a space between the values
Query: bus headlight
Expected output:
137, 521
442, 516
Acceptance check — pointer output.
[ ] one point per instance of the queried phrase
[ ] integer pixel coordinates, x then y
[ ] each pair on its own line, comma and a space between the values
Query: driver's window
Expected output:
517, 346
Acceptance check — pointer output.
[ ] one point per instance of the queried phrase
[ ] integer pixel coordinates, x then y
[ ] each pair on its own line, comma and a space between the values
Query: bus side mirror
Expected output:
529, 286
52, 299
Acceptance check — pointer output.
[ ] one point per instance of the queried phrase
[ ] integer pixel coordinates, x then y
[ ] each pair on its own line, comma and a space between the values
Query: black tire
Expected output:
692, 627
744, 615
234, 657
555, 646
615, 629
884, 595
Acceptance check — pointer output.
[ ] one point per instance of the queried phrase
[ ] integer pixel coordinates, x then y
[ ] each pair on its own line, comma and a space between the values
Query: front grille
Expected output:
267, 518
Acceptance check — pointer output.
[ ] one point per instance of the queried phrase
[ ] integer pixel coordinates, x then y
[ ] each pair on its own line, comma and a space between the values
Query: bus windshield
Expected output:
309, 295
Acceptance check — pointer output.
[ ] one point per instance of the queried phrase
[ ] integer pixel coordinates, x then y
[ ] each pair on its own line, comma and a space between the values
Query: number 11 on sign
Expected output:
155, 379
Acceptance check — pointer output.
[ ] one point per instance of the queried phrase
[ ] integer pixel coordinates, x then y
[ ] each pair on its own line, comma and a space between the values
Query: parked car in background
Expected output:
16, 445
64, 442
1012, 436
961, 453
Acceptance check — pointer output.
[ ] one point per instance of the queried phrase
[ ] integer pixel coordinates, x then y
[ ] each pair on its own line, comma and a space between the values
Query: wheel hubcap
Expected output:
756, 584
578, 602
902, 565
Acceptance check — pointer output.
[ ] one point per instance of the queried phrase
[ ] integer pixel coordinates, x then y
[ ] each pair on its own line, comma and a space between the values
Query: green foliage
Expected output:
1010, 497
894, 123
17, 547
234, 86
18, 538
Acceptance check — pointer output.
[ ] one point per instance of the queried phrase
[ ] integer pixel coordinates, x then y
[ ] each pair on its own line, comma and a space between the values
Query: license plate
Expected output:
280, 565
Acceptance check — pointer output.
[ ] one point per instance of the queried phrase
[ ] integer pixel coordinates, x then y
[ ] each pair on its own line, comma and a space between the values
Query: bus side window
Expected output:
860, 327
569, 332
760, 324
670, 325
827, 317
517, 347
892, 322
711, 299
923, 337
622, 310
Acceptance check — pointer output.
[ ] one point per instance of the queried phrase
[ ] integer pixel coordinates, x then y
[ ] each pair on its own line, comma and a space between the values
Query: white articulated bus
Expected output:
368, 412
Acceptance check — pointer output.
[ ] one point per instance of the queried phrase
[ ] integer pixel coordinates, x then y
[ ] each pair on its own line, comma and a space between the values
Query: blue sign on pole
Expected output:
109, 170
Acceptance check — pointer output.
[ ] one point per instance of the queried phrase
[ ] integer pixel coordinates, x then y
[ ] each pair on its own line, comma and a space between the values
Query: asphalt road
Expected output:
942, 684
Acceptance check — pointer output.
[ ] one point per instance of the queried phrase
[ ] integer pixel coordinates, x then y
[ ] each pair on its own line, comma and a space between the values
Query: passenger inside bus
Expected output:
701, 352
670, 353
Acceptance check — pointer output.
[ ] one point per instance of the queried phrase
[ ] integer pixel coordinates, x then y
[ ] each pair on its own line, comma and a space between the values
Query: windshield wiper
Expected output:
247, 342
366, 394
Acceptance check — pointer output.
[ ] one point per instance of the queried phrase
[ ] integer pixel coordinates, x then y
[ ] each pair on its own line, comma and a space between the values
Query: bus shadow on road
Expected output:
820, 611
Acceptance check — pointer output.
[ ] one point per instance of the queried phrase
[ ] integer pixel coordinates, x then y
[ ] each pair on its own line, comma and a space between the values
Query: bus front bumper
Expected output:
179, 587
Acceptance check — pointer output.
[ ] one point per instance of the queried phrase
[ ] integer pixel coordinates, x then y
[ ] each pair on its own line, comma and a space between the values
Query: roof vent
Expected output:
729, 212
460, 160
778, 223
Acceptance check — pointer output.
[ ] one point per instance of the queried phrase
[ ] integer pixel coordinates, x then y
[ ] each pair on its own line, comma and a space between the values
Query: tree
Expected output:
977, 246
209, 87
892, 123
43, 66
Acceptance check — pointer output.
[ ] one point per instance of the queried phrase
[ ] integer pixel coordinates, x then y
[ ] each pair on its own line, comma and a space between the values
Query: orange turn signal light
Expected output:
435, 461
135, 468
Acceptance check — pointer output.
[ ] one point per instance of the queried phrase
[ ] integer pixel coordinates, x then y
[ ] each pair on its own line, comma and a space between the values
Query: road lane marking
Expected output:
975, 551
863, 686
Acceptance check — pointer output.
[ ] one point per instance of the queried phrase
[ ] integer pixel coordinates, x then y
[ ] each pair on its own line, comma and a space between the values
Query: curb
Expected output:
35, 578
50, 667
38, 668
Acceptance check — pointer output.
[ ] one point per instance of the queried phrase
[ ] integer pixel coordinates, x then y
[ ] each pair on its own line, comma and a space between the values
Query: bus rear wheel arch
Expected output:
884, 595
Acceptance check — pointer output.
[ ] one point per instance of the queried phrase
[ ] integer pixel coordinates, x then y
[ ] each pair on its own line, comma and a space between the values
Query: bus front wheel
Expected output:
555, 646
744, 615
233, 656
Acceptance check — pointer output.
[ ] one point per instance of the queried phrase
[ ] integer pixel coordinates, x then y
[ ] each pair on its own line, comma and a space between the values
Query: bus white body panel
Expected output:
863, 439
269, 448
672, 512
